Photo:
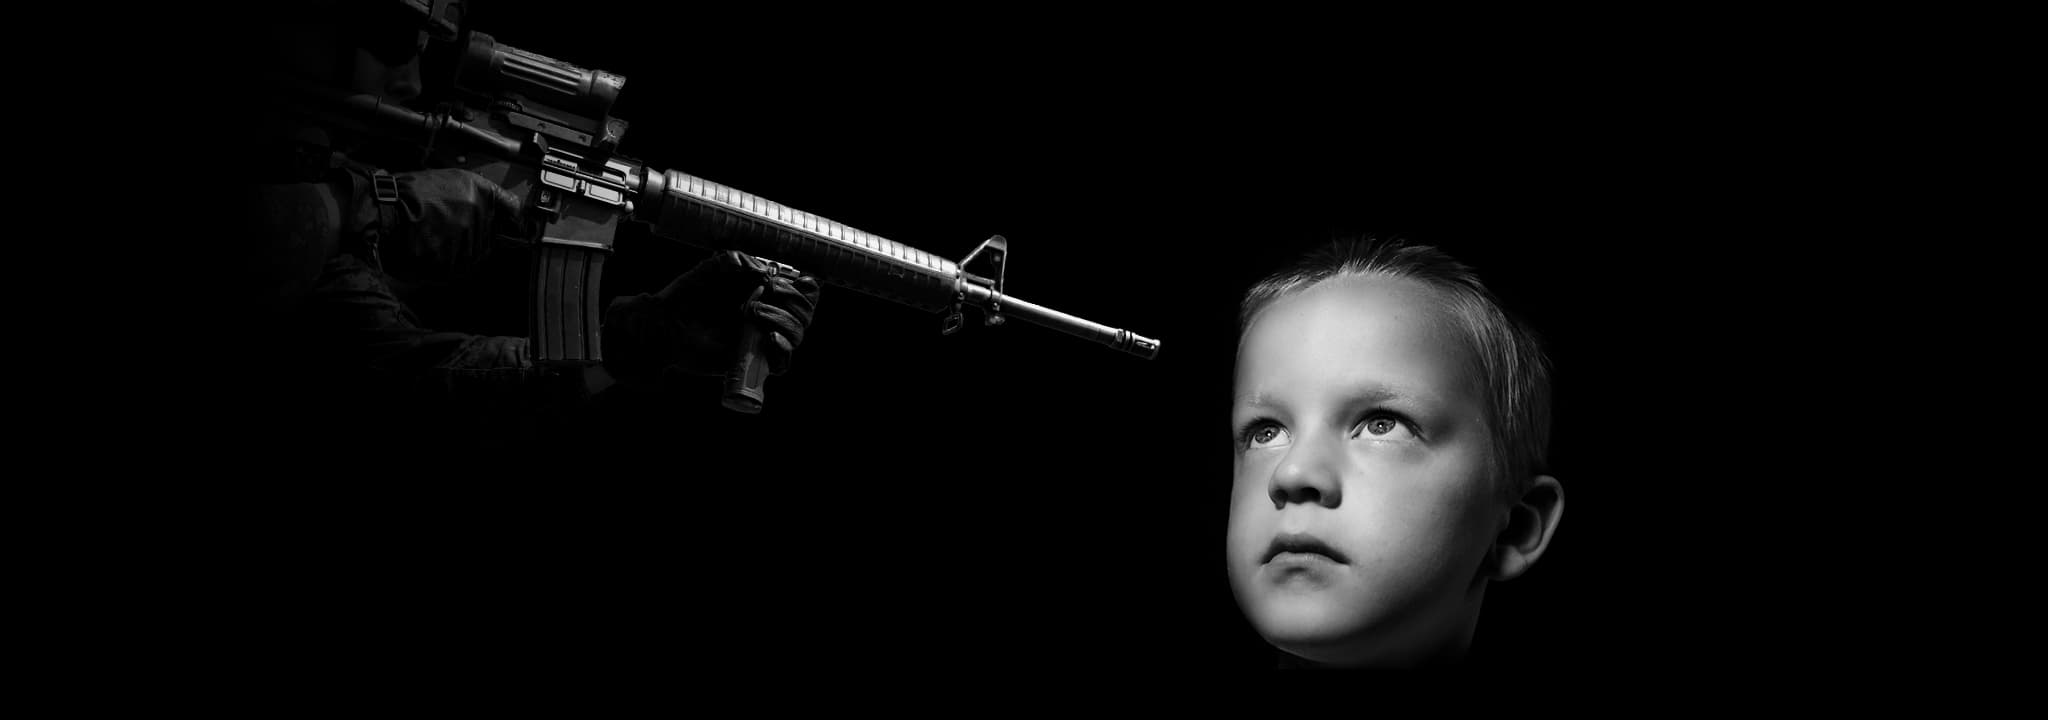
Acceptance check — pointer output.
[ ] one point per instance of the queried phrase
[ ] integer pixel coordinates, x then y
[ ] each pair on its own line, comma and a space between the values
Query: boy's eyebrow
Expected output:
1371, 391
1380, 392
1257, 400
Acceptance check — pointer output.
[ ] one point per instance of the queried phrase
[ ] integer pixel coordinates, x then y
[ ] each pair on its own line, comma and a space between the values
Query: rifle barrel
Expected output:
692, 209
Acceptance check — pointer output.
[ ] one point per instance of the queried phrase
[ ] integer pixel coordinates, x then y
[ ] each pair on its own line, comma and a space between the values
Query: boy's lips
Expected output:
1302, 544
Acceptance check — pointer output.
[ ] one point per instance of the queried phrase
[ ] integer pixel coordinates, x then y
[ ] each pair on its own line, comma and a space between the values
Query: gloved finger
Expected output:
777, 320
798, 294
506, 210
716, 280
807, 285
802, 306
779, 350
803, 285
748, 263
724, 263
800, 284
754, 297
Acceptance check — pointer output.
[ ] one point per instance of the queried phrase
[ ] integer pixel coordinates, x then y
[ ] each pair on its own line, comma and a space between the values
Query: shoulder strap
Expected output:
370, 204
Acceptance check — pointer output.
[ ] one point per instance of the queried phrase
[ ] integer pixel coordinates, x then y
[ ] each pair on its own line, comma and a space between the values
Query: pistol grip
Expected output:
744, 383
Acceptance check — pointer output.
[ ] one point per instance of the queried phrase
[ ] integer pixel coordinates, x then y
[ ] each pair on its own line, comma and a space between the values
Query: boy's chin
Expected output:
1351, 631
1303, 624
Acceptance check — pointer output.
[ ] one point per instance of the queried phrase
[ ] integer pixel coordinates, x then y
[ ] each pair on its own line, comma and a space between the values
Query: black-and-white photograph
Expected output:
660, 334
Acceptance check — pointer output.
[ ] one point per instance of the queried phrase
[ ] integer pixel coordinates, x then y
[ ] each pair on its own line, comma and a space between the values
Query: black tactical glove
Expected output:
693, 325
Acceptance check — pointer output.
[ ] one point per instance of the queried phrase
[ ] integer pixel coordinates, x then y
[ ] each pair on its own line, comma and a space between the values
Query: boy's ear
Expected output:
1530, 522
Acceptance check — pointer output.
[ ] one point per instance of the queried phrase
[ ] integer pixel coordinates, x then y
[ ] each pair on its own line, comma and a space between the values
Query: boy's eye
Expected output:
1385, 425
1265, 435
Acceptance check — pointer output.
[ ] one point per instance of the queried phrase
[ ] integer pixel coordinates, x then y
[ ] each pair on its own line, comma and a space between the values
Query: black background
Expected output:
1011, 496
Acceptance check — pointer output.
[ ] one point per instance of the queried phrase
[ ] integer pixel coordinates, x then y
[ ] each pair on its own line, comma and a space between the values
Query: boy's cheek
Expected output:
1248, 528
1252, 472
1250, 503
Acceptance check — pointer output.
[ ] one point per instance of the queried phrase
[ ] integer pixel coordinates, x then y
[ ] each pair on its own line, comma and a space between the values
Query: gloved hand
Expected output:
444, 223
693, 325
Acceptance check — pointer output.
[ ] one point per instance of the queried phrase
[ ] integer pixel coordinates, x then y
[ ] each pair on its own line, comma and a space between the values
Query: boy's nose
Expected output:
1307, 475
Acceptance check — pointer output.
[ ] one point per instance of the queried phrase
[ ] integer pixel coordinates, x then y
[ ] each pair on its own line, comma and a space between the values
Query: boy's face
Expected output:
1362, 509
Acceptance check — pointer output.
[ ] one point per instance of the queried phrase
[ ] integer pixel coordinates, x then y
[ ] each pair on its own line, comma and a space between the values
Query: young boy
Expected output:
1391, 423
